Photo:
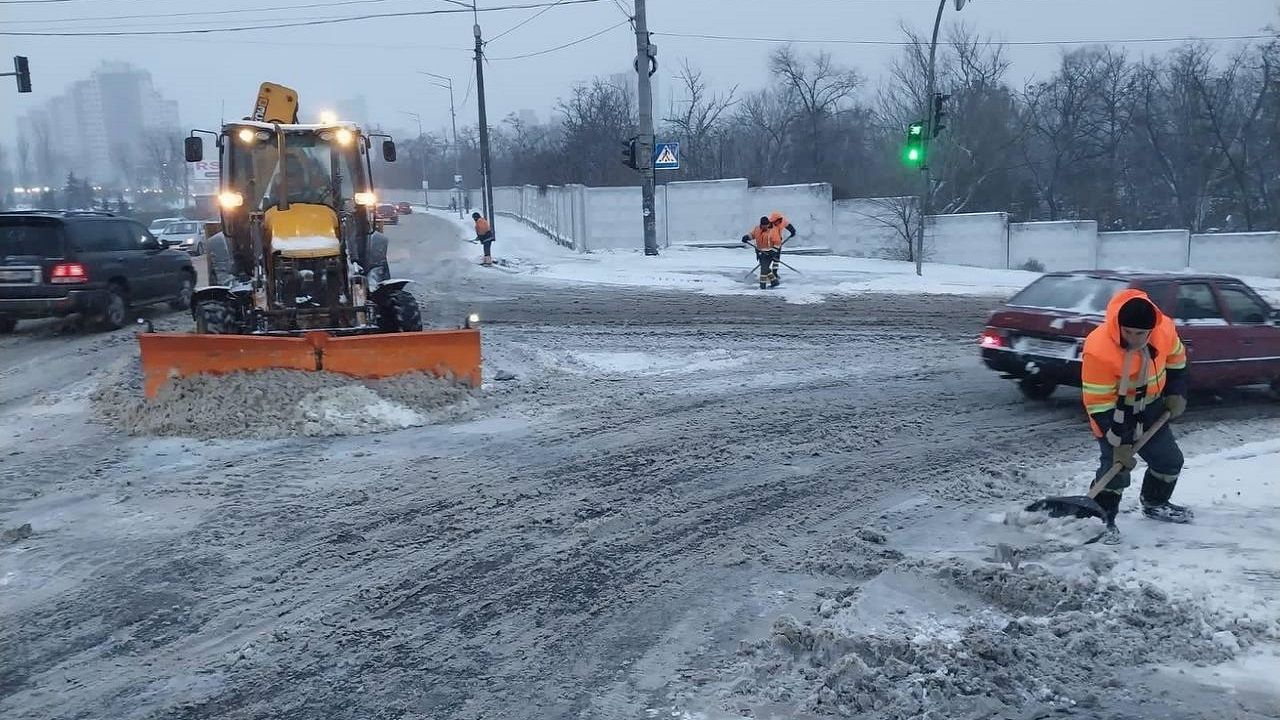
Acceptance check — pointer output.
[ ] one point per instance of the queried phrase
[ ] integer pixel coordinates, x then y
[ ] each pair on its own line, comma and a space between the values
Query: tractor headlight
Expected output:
344, 136
245, 135
230, 200
367, 199
472, 321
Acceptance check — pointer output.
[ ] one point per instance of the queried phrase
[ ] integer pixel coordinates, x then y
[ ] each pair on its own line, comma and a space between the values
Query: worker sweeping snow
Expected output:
1134, 371
767, 240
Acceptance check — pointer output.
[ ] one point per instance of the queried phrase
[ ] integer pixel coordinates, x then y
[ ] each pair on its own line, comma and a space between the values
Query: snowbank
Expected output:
274, 404
728, 271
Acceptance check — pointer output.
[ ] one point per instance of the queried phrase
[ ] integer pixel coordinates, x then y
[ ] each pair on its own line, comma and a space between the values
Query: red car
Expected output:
404, 208
1232, 335
386, 212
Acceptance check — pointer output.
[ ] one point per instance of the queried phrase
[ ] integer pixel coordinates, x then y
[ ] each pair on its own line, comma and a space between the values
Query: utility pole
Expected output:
422, 148
485, 167
646, 65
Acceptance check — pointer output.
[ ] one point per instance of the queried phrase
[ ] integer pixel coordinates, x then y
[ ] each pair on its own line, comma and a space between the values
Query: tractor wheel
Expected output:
398, 312
215, 318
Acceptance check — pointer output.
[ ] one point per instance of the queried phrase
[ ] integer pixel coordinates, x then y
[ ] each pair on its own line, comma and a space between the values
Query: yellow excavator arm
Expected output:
276, 104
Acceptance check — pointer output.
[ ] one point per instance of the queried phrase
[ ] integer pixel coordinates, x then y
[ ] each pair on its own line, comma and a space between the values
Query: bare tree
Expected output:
818, 89
700, 121
596, 117
900, 215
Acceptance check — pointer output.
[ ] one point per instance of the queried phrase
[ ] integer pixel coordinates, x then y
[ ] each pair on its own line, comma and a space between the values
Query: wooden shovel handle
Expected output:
1107, 477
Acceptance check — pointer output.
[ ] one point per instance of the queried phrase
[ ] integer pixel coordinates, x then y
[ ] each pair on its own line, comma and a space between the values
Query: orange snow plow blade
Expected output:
453, 354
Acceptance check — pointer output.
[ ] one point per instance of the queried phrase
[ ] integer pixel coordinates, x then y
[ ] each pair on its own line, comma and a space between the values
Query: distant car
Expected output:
159, 224
404, 208
386, 212
1232, 335
184, 235
54, 263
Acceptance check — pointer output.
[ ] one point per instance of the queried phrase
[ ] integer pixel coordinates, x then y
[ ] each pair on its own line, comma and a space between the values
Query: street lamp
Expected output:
457, 153
929, 132
422, 148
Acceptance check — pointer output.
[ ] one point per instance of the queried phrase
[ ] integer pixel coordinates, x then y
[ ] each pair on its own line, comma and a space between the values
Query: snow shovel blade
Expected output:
1080, 506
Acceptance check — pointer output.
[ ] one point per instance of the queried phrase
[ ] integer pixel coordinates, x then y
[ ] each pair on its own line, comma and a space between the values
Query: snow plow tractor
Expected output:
299, 272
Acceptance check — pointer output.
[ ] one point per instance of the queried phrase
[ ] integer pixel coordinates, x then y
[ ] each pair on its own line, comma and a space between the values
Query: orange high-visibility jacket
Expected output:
482, 227
769, 238
1165, 359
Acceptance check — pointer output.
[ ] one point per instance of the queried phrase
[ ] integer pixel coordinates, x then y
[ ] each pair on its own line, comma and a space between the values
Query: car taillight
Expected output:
993, 338
72, 272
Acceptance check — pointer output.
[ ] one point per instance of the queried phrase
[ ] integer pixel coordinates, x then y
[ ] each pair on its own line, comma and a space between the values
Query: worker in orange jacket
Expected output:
1134, 369
484, 236
767, 240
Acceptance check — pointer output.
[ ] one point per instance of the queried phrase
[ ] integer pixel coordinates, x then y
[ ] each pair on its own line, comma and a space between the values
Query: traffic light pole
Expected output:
926, 187
645, 65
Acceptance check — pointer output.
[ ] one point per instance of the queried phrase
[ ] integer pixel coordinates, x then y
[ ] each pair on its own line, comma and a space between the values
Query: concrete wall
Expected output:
1062, 245
870, 227
613, 219
1259, 252
808, 207
1144, 250
977, 239
705, 211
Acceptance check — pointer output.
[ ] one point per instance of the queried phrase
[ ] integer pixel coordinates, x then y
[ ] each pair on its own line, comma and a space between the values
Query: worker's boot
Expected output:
1156, 491
1110, 504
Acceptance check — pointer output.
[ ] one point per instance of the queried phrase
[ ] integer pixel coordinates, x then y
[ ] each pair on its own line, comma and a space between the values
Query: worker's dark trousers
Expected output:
486, 244
1164, 463
767, 260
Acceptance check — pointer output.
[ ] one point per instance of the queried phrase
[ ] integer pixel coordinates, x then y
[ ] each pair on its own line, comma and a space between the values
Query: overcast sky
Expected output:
378, 58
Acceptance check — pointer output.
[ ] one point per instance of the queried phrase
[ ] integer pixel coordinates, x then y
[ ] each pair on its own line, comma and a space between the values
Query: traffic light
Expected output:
629, 153
938, 114
23, 71
913, 153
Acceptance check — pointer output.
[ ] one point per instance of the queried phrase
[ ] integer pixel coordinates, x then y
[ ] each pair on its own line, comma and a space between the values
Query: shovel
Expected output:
1085, 506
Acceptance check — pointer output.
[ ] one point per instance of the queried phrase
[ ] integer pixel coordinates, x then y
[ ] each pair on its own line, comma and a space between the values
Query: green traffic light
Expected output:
913, 154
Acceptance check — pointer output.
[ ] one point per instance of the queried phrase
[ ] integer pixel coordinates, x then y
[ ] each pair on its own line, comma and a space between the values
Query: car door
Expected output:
159, 267
1259, 337
1212, 348
142, 286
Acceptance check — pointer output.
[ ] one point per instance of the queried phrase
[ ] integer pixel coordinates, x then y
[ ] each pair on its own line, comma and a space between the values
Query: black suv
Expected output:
54, 263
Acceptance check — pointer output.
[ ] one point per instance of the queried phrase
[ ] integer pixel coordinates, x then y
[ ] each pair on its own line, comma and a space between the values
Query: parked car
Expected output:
404, 208
159, 224
386, 212
1232, 335
185, 235
54, 263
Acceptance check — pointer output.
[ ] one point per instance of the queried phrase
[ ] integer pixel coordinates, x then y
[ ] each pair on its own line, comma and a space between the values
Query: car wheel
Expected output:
7, 324
199, 249
399, 312
183, 300
1034, 388
116, 313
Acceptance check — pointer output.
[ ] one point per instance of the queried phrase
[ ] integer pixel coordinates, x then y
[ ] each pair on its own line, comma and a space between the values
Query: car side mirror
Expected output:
1275, 318
193, 148
151, 244
389, 150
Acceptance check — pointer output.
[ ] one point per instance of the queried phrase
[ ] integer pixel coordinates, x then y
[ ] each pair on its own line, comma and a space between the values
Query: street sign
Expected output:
457, 180
666, 156
424, 185
207, 168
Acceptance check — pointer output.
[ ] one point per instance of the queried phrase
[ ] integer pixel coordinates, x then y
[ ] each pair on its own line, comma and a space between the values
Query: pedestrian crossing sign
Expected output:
666, 156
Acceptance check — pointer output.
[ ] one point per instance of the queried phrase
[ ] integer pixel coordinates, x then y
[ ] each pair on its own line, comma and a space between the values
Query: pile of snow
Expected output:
274, 404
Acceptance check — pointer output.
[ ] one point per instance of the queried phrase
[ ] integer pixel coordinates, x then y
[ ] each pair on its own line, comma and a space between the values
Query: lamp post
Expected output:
453, 116
422, 148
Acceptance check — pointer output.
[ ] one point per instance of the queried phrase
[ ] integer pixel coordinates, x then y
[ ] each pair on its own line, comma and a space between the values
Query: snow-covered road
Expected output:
681, 504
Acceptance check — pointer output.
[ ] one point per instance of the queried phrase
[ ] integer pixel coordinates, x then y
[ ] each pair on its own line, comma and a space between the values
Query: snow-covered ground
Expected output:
527, 251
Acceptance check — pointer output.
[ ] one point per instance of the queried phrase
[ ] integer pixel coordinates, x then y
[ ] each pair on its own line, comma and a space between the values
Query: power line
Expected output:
902, 43
524, 21
571, 43
300, 23
235, 11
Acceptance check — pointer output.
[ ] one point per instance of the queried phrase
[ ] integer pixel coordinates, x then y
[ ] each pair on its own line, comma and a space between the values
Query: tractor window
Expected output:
312, 169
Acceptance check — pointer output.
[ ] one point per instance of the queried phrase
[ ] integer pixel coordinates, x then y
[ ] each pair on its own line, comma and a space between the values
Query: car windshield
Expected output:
314, 167
1071, 293
30, 236
180, 229
158, 225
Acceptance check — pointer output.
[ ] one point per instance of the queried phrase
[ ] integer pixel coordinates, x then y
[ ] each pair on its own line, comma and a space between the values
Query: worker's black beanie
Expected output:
1138, 314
